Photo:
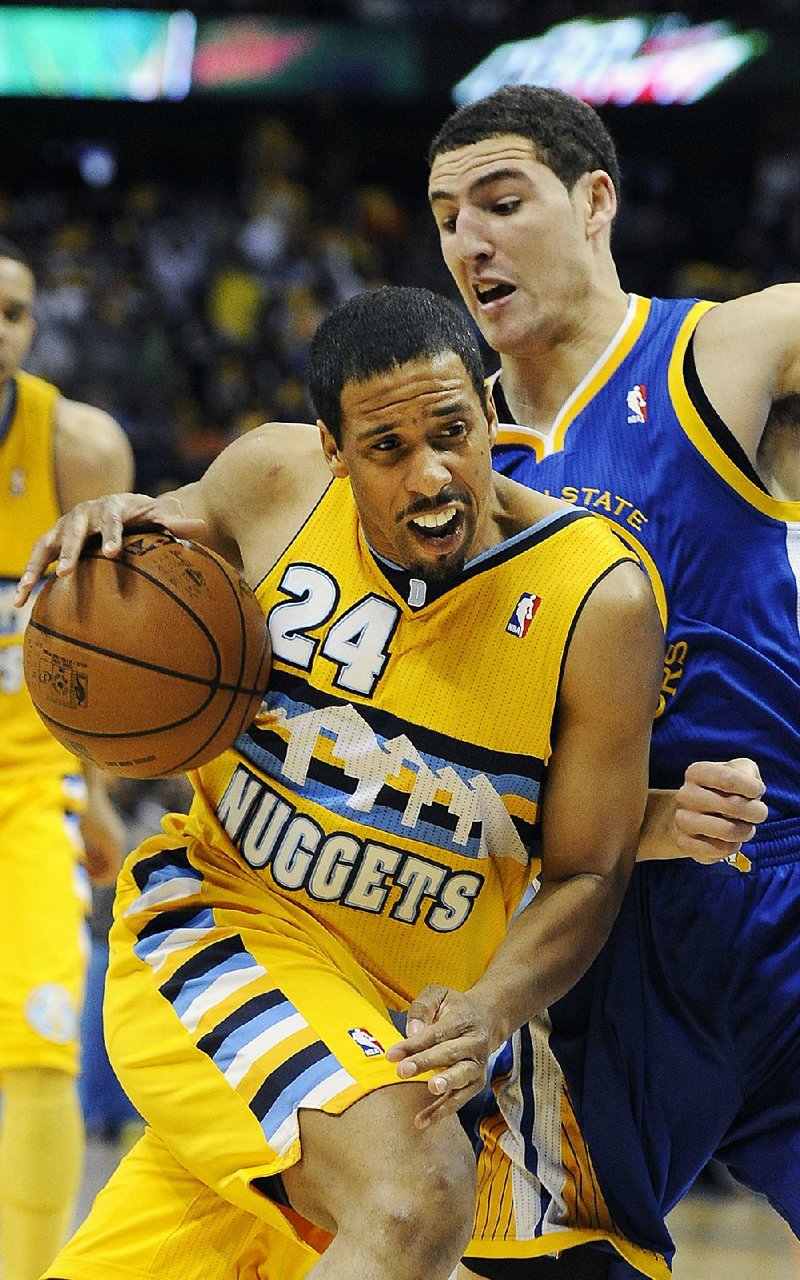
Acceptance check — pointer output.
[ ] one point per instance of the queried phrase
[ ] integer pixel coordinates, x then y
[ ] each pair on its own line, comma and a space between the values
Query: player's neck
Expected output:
536, 383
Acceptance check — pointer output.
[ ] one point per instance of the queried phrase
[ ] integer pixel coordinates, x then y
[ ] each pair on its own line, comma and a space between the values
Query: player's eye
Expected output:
508, 205
454, 430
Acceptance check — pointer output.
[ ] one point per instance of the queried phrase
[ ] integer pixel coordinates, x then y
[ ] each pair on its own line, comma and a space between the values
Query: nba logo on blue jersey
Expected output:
636, 400
523, 615
366, 1042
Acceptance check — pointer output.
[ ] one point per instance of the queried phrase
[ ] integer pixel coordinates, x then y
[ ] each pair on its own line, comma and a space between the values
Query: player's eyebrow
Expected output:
453, 408
485, 180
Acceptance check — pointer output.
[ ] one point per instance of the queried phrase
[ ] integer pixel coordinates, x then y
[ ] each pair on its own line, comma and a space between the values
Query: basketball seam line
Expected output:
208, 682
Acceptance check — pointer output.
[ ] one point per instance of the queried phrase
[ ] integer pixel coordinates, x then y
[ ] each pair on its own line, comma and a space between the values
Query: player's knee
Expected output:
426, 1213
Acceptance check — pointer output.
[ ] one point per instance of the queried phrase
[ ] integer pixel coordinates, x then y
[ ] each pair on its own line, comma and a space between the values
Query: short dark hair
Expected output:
569, 136
12, 251
384, 329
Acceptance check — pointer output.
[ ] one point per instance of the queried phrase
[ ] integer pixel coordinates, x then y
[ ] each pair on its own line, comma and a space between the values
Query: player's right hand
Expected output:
108, 517
718, 809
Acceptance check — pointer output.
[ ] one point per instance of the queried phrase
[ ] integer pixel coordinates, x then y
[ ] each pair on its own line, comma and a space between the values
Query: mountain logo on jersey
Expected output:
338, 738
636, 400
523, 615
366, 1042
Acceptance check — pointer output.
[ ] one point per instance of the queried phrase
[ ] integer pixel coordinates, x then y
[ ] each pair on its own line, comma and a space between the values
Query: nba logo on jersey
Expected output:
366, 1042
523, 615
637, 403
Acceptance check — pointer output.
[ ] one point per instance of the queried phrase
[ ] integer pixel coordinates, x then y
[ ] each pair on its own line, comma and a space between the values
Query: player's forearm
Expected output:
548, 948
657, 835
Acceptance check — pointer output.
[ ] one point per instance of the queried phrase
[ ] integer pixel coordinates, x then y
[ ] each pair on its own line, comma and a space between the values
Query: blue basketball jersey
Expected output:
638, 443
682, 1041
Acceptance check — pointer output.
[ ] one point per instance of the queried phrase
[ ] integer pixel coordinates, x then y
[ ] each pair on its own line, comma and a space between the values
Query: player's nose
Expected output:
471, 237
428, 473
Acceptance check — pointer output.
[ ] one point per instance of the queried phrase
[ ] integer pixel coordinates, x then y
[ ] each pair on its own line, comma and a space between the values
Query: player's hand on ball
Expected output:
108, 517
718, 809
448, 1032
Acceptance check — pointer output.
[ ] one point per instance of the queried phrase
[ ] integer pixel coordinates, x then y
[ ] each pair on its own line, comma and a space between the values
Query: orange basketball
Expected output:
150, 663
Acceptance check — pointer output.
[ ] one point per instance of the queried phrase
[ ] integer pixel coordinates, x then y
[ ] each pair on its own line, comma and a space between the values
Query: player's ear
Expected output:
601, 201
491, 416
333, 455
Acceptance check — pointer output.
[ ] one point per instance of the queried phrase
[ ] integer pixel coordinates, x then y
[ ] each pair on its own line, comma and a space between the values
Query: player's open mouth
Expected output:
489, 293
437, 527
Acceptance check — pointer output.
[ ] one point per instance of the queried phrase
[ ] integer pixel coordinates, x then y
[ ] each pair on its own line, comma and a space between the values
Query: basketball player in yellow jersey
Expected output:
53, 452
375, 829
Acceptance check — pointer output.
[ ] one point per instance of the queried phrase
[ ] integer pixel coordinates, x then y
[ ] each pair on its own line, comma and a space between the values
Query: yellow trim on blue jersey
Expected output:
614, 357
702, 438
617, 351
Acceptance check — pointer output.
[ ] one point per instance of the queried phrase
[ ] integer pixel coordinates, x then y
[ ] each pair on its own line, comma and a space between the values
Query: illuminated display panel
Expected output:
621, 61
95, 53
269, 55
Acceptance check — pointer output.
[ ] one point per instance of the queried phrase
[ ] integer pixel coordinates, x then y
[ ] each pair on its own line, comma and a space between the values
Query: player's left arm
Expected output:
593, 807
93, 456
747, 354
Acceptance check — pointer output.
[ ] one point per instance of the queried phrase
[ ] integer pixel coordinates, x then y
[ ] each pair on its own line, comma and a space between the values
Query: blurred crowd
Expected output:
186, 310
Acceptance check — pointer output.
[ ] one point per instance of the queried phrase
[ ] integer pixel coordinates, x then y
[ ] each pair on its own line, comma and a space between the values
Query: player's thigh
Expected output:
153, 1218
43, 940
226, 1019
763, 1150
372, 1160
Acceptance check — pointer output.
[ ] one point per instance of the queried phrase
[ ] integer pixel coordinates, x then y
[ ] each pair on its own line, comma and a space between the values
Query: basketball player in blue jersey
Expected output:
53, 453
683, 1040
374, 830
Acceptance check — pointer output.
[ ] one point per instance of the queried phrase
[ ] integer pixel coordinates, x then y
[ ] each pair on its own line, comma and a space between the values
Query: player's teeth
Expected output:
436, 519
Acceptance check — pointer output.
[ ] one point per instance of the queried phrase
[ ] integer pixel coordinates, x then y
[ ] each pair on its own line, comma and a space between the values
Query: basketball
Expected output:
150, 663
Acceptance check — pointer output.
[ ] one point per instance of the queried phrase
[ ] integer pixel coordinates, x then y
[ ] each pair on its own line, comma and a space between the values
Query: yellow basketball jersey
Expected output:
28, 507
389, 787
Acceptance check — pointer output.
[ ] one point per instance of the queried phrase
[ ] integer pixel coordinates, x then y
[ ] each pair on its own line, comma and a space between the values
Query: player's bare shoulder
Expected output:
263, 487
521, 508
279, 464
92, 453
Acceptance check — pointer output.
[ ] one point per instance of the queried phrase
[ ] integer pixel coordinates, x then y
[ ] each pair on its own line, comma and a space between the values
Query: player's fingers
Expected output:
698, 800
740, 776
706, 849
447, 1105
714, 826
464, 1074
43, 552
423, 1011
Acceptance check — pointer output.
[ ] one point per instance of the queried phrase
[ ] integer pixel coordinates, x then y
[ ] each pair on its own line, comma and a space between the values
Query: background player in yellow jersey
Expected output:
376, 826
53, 453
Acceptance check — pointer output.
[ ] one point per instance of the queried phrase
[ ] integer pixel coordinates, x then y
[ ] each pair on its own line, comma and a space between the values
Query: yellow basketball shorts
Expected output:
227, 1012
44, 897
155, 1219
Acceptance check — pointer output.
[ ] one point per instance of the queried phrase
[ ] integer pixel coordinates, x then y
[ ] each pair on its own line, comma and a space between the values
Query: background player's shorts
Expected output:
227, 1011
682, 1042
44, 898
538, 1192
154, 1219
